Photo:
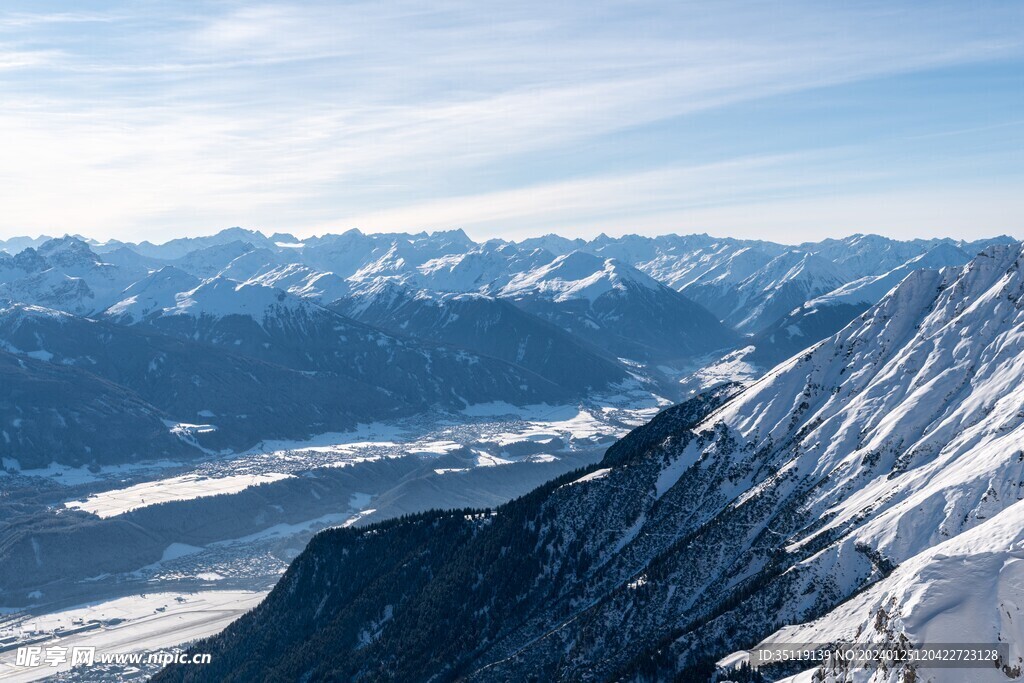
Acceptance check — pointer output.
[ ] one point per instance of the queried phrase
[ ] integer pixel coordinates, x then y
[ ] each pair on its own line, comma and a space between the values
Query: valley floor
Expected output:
203, 580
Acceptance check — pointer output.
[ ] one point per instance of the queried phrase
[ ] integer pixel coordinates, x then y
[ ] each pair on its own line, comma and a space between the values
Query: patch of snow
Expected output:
187, 487
593, 476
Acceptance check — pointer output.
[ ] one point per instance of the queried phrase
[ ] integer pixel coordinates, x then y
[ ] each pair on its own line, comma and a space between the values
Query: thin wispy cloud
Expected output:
308, 116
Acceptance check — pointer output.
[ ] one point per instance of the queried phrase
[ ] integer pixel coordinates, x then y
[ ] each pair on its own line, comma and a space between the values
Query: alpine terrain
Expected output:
868, 488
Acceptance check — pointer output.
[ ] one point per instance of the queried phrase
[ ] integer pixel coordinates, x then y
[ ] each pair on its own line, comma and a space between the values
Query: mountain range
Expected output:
868, 489
244, 326
844, 459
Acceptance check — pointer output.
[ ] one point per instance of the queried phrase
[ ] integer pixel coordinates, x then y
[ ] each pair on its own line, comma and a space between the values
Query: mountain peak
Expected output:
578, 275
242, 234
220, 296
67, 250
455, 235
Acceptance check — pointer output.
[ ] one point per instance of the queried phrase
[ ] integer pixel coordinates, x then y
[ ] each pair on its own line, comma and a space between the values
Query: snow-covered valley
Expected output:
477, 457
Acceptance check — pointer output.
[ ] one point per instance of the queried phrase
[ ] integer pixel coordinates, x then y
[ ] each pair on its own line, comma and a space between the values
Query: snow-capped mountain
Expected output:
343, 254
182, 246
219, 297
823, 316
404, 254
209, 261
871, 288
252, 263
963, 590
66, 274
15, 245
601, 304
770, 292
863, 480
484, 269
151, 295
577, 276
617, 308
554, 244
300, 280
749, 284
867, 255
701, 259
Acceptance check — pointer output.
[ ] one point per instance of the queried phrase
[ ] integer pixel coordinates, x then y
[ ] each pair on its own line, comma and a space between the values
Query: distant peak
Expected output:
241, 233
455, 235
64, 243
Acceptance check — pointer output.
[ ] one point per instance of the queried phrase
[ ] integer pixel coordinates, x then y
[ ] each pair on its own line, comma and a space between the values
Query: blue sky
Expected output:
779, 120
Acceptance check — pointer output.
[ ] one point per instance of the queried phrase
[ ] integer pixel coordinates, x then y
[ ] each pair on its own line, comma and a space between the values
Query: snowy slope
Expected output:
784, 283
209, 261
300, 280
577, 275
151, 295
247, 265
618, 309
66, 274
914, 404
825, 315
406, 252
718, 262
910, 423
486, 268
180, 247
866, 255
870, 289
968, 589
220, 296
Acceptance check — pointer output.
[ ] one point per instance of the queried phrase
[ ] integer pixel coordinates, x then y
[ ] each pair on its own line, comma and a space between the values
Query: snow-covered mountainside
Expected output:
300, 280
881, 465
401, 255
618, 309
484, 269
65, 274
867, 255
724, 263
152, 294
823, 316
870, 289
770, 292
577, 275
182, 246
963, 590
220, 296
210, 261
609, 303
